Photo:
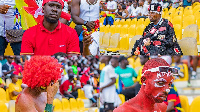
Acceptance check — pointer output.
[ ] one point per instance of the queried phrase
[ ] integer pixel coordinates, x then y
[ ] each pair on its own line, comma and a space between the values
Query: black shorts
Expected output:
108, 106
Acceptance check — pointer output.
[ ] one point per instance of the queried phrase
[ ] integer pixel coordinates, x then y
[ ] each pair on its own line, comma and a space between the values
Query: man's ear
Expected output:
143, 80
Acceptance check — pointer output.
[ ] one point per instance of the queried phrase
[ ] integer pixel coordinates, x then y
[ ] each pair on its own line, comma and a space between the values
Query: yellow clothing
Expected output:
139, 75
13, 87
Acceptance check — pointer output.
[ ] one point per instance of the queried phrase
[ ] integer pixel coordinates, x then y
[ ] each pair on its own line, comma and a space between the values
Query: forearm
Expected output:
5, 73
86, 50
133, 86
77, 20
110, 84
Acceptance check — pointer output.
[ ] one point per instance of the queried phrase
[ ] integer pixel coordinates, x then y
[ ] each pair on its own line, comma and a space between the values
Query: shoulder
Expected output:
23, 99
32, 29
67, 28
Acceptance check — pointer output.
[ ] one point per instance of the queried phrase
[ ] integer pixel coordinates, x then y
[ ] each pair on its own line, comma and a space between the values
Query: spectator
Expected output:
8, 68
59, 35
74, 67
107, 85
143, 9
173, 101
178, 65
121, 12
167, 4
68, 89
14, 89
175, 3
85, 77
9, 19
2, 60
88, 90
187, 3
134, 10
126, 75
130, 2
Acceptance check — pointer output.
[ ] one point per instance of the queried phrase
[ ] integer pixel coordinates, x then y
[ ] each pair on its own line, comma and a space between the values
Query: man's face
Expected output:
141, 2
114, 63
158, 86
52, 11
153, 16
15, 78
129, 3
10, 60
134, 5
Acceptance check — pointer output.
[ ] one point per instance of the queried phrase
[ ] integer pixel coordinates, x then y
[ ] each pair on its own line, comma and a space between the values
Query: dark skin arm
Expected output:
170, 106
75, 11
5, 73
133, 86
126, 11
105, 8
87, 40
4, 8
110, 84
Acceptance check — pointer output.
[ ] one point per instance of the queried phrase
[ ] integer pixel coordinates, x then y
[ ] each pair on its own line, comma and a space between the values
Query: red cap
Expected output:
60, 1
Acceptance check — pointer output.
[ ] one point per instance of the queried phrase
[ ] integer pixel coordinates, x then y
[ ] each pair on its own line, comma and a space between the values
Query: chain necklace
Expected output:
92, 3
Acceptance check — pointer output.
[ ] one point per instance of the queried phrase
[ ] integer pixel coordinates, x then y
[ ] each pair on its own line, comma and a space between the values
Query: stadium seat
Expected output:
194, 4
191, 31
137, 64
7, 94
81, 106
140, 21
114, 42
178, 31
3, 95
197, 7
188, 20
101, 34
11, 106
128, 22
106, 29
72, 25
171, 12
188, 12
101, 65
112, 29
188, 46
178, 13
65, 105
57, 105
106, 40
164, 12
140, 29
131, 30
73, 104
180, 9
101, 20
102, 28
197, 14
194, 107
122, 22
3, 107
177, 20
187, 8
81, 94
124, 30
186, 74
118, 29
184, 103
134, 21
131, 61
198, 23
117, 22
146, 22
122, 98
124, 42
132, 42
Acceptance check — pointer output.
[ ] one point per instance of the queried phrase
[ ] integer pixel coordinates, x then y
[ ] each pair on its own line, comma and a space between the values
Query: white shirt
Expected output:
144, 10
88, 89
155, 1
135, 11
111, 5
108, 94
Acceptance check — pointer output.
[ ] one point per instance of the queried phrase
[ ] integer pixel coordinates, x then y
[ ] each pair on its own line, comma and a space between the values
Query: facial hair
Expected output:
50, 20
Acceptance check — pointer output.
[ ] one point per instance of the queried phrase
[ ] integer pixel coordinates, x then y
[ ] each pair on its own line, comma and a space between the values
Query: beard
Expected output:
51, 20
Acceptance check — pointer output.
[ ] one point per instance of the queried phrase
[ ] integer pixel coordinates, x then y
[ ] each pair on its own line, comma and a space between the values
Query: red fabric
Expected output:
84, 79
17, 67
65, 86
46, 1
38, 40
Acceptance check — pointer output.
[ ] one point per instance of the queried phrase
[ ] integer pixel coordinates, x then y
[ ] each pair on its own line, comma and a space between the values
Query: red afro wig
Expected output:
40, 71
153, 63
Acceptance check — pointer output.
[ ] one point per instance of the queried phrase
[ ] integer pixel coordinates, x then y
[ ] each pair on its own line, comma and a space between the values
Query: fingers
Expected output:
88, 40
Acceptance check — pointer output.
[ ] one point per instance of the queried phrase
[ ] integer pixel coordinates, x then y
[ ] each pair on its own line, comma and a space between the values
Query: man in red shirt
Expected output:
68, 89
51, 36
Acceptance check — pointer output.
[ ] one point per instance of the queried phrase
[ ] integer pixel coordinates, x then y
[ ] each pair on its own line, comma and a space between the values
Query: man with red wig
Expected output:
41, 74
51, 36
157, 77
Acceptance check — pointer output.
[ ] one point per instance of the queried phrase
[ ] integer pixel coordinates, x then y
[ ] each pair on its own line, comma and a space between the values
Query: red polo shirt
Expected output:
38, 40
66, 86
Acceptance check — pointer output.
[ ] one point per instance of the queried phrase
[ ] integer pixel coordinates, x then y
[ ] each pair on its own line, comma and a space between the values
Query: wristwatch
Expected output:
85, 23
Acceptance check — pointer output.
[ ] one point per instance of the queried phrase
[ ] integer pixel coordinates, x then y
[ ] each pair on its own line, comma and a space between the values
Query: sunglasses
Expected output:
165, 69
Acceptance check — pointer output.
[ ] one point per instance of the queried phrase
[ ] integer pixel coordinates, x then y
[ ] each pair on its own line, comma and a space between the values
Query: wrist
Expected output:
85, 23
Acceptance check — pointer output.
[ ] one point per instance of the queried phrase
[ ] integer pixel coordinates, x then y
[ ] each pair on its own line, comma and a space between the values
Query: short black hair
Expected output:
123, 6
12, 76
115, 58
88, 82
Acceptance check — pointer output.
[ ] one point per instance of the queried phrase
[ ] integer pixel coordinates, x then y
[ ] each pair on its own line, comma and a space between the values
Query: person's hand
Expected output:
91, 24
101, 89
13, 69
4, 8
87, 40
51, 92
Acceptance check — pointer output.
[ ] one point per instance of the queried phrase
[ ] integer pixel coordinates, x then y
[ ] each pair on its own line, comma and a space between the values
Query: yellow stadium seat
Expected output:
124, 30
101, 20
11, 106
186, 74
81, 94
134, 21
73, 104
65, 105
184, 103
180, 9
114, 43
122, 98
178, 13
131, 61
197, 7
122, 22
101, 34
140, 21
140, 29
137, 63
117, 22
8, 50
112, 29
101, 65
132, 42
106, 29
106, 40
188, 12
177, 20
3, 95
72, 25
146, 22
198, 23
124, 42
197, 14
102, 28
7, 94
188, 20
194, 4
118, 29
188, 46
191, 31
171, 12
3, 107
178, 31
128, 22
57, 105
164, 12
81, 106
131, 30
188, 8
194, 107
